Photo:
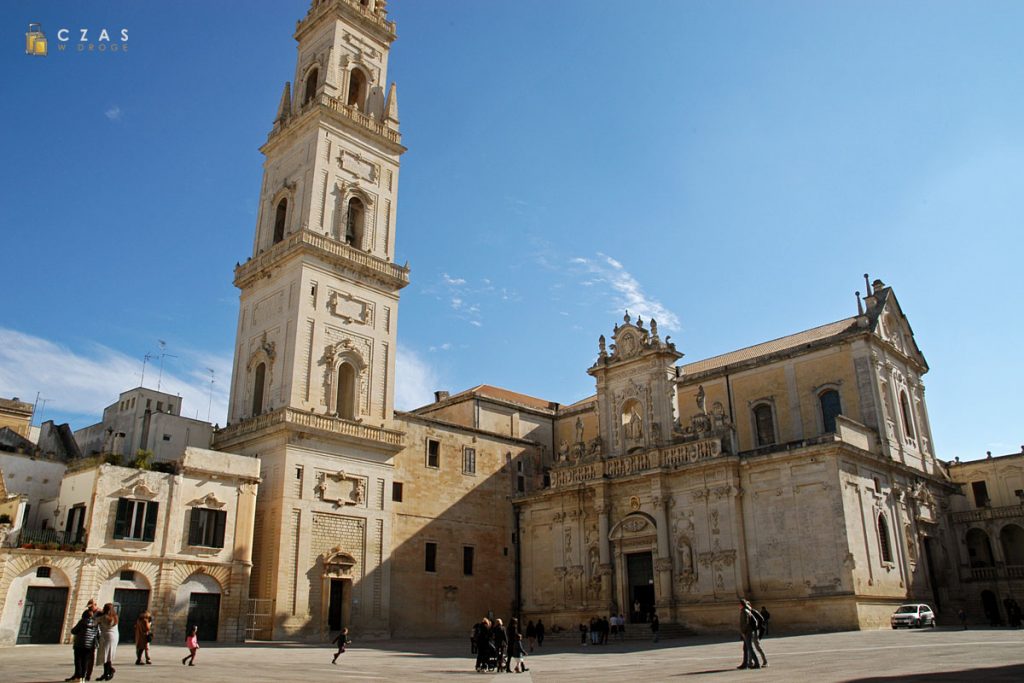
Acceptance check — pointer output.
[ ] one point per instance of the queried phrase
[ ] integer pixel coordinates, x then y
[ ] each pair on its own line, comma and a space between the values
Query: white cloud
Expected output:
85, 382
454, 281
415, 380
113, 113
630, 295
447, 346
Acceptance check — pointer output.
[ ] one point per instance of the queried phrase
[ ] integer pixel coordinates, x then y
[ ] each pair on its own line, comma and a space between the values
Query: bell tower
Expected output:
319, 296
312, 392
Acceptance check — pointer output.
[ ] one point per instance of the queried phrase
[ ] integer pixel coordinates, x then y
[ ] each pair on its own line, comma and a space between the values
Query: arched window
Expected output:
279, 220
346, 398
311, 84
830, 408
354, 222
1012, 538
356, 89
979, 549
259, 379
764, 424
883, 538
908, 424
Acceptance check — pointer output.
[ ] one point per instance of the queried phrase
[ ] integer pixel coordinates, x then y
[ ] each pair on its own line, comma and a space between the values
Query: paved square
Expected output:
933, 655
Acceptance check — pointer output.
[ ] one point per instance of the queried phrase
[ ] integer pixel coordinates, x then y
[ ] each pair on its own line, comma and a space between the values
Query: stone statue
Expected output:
685, 556
563, 450
579, 430
594, 561
634, 427
359, 493
701, 401
600, 345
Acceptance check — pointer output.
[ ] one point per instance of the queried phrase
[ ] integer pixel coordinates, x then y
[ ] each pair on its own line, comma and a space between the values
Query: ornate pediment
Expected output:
210, 500
338, 563
350, 308
135, 489
341, 489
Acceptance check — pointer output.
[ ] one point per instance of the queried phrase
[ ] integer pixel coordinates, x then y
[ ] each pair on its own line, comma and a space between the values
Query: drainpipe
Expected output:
519, 574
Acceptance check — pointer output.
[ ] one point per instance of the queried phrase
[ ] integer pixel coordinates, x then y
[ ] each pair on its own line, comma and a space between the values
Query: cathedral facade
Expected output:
800, 473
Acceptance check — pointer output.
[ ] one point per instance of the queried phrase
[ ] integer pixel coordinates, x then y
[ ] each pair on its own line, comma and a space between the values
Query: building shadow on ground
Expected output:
1011, 672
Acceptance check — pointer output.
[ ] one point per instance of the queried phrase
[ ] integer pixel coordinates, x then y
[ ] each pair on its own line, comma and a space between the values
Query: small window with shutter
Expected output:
206, 527
135, 520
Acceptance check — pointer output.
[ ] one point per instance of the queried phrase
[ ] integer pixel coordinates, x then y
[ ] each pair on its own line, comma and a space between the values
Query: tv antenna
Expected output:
213, 379
145, 359
163, 354
37, 407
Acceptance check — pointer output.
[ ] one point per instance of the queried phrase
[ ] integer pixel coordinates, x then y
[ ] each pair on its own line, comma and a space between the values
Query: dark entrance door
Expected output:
335, 620
204, 612
929, 561
130, 604
991, 607
43, 617
640, 572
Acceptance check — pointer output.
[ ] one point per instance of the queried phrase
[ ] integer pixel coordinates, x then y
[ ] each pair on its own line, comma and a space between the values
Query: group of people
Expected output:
599, 629
96, 636
753, 627
496, 645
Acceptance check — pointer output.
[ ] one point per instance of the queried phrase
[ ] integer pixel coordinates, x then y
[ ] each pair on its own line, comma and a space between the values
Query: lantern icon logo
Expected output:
35, 41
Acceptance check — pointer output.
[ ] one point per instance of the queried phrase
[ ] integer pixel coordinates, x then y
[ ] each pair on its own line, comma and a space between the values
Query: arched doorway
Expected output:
1011, 537
36, 605
337, 590
634, 540
990, 607
129, 590
979, 549
200, 593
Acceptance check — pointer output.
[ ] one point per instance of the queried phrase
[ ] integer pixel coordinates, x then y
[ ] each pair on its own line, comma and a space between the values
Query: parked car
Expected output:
913, 616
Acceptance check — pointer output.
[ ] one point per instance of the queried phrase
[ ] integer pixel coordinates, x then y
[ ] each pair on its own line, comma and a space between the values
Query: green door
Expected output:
130, 604
43, 617
204, 612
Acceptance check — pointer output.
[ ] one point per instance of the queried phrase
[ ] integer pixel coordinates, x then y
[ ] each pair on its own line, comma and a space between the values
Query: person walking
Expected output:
622, 626
342, 640
540, 632
500, 640
143, 634
962, 616
531, 633
107, 622
755, 636
513, 638
765, 616
655, 625
86, 637
747, 626
192, 643
483, 644
518, 650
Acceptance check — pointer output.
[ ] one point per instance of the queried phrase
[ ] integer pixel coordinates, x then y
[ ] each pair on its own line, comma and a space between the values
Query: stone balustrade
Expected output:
396, 275
311, 421
986, 514
668, 457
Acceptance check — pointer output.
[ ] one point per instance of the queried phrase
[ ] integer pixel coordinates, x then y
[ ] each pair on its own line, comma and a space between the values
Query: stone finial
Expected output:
860, 305
391, 107
601, 345
625, 318
284, 109
867, 284
640, 322
877, 286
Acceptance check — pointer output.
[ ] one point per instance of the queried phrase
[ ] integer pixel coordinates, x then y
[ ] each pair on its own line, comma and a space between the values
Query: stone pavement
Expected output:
862, 656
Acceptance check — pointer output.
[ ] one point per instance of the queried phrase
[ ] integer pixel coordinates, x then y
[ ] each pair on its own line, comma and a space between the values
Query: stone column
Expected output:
604, 552
663, 563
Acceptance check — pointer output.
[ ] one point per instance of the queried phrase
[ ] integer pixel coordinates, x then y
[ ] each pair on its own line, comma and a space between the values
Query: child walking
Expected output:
192, 643
342, 640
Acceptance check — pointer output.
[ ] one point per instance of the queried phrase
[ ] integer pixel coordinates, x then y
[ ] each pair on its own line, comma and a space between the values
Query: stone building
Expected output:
799, 472
16, 415
177, 543
148, 420
987, 517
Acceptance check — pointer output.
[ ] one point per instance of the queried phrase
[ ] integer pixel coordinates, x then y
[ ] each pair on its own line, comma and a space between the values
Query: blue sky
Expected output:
730, 167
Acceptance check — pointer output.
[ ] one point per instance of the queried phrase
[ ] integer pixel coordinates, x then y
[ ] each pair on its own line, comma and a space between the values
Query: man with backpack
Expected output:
750, 625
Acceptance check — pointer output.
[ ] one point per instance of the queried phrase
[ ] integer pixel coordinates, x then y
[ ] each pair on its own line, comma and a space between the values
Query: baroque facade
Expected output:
800, 472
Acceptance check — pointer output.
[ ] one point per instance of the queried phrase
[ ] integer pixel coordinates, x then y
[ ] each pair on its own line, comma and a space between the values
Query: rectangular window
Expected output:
159, 406
980, 490
520, 477
167, 437
135, 520
433, 453
127, 575
206, 527
396, 491
467, 560
43, 573
469, 461
430, 559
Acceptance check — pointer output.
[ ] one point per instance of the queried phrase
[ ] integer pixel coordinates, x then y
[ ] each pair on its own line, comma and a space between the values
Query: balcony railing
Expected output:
987, 513
301, 420
397, 276
51, 539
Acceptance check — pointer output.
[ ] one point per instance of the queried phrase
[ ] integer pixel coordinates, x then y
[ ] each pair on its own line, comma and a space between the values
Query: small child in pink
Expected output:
192, 643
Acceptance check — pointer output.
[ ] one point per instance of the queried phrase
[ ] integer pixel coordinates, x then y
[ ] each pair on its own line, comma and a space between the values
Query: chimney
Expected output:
441, 396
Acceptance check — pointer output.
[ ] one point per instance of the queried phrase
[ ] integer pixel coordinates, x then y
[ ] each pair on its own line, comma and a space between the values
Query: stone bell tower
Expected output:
634, 388
312, 393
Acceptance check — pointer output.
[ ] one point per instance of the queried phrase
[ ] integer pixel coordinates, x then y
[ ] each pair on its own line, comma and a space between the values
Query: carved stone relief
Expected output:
341, 489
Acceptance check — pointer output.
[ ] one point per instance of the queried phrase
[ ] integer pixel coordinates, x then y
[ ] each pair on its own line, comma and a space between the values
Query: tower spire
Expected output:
391, 108
284, 109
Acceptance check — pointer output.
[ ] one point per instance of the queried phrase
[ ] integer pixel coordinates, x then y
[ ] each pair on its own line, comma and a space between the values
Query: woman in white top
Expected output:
108, 640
